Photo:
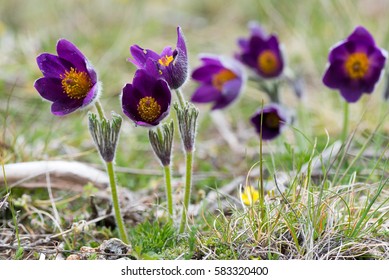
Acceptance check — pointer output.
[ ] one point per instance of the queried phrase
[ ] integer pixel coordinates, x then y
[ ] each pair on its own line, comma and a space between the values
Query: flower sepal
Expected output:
105, 134
187, 123
162, 142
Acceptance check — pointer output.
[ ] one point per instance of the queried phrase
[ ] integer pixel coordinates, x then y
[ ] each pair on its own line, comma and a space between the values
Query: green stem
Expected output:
168, 181
100, 110
112, 182
115, 201
345, 121
262, 191
181, 98
188, 185
168, 184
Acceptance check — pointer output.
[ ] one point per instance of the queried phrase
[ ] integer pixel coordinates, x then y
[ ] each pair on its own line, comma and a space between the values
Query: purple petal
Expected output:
335, 77
377, 58
152, 68
231, 90
340, 52
257, 30
269, 133
162, 95
351, 94
360, 34
249, 59
51, 65
50, 89
141, 55
144, 82
181, 45
130, 99
372, 80
257, 45
91, 95
273, 44
61, 108
68, 51
205, 93
167, 51
209, 59
205, 73
144, 124
243, 43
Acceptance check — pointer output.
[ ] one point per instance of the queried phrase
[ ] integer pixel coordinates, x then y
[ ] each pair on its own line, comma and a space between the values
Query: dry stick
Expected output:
68, 174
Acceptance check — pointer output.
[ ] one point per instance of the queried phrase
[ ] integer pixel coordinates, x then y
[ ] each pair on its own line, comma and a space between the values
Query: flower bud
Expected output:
162, 142
187, 122
105, 134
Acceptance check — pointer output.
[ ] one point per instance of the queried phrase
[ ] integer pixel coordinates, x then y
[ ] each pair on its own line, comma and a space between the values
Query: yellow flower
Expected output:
249, 196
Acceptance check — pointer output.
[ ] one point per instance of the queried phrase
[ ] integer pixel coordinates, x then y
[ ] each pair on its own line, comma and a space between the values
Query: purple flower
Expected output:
355, 65
261, 53
147, 100
171, 65
69, 80
221, 81
274, 119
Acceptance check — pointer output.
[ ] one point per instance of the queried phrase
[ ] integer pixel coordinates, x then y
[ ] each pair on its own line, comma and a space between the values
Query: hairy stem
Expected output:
168, 185
181, 98
100, 110
188, 185
115, 201
345, 122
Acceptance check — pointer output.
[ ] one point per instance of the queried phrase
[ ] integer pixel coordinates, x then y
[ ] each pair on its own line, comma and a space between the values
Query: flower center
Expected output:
75, 84
148, 108
357, 65
268, 62
271, 120
223, 76
165, 60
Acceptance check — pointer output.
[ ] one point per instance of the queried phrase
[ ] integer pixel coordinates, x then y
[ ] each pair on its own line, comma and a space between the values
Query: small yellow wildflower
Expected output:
250, 195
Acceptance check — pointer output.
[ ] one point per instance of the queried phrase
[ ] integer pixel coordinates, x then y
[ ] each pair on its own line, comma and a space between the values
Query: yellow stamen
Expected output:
357, 65
249, 195
75, 84
165, 60
148, 108
223, 76
268, 62
271, 120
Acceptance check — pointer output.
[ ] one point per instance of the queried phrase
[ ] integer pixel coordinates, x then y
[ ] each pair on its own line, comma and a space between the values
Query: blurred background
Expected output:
104, 30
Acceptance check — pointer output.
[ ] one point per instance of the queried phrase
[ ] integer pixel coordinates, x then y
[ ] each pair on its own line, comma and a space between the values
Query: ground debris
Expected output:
111, 249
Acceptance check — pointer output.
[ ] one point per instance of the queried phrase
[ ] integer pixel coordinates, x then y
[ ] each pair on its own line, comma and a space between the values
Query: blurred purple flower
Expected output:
261, 53
147, 100
171, 65
69, 80
355, 65
221, 79
274, 119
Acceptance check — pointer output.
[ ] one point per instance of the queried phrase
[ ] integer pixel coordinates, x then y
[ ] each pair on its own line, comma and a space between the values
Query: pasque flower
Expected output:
147, 100
221, 80
261, 53
171, 65
69, 80
274, 118
355, 65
